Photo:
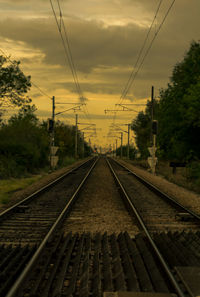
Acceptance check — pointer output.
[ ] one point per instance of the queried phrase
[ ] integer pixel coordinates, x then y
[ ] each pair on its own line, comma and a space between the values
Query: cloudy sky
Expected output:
105, 39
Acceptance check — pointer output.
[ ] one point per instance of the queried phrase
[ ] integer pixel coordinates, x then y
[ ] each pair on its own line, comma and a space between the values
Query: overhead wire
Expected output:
67, 49
140, 52
151, 43
135, 72
68, 53
127, 86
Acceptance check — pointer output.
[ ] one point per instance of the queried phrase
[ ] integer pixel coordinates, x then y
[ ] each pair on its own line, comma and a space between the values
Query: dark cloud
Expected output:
92, 44
98, 47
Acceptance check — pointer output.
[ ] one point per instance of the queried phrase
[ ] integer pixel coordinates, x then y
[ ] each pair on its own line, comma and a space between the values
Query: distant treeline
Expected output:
24, 140
25, 144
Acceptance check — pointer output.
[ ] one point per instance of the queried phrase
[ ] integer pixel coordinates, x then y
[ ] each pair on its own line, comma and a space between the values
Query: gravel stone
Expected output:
187, 198
99, 207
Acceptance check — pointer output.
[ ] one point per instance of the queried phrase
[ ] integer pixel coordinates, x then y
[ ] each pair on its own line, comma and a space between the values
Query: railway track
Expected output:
92, 259
158, 211
28, 221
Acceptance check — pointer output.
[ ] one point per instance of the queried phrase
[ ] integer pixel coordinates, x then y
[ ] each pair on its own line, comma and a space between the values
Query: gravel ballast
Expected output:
187, 198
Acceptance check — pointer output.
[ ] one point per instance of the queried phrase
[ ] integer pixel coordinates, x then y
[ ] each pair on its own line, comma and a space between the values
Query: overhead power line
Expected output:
135, 72
45, 94
67, 48
125, 91
152, 41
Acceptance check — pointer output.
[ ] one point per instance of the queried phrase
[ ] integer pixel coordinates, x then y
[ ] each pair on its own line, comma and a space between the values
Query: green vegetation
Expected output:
178, 115
24, 140
132, 152
23, 145
8, 187
13, 84
65, 140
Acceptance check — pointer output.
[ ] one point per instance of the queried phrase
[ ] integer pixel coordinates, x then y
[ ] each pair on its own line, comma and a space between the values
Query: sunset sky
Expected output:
105, 39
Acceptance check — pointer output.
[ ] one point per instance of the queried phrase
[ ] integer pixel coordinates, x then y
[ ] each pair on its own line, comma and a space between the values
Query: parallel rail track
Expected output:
28, 221
87, 265
27, 257
134, 203
159, 211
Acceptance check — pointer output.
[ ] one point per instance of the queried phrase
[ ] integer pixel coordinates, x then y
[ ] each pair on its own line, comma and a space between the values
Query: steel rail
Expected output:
158, 191
155, 248
41, 190
19, 282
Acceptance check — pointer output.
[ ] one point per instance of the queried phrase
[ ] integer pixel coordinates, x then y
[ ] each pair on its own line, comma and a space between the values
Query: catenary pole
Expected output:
128, 146
53, 118
76, 136
152, 110
83, 145
121, 143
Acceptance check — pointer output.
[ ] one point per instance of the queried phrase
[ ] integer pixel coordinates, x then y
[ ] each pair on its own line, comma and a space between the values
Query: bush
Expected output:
24, 145
67, 161
193, 171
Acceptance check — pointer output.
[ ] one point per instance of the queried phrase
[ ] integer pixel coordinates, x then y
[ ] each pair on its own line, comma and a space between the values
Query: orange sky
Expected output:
105, 39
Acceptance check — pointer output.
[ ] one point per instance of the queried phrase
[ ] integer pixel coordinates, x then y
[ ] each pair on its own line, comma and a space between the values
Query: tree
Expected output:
179, 109
142, 128
24, 144
14, 84
65, 140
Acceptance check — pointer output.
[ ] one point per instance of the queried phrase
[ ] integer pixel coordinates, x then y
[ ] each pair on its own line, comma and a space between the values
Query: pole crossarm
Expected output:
125, 108
114, 136
70, 103
110, 111
72, 108
91, 127
131, 104
87, 124
118, 128
88, 128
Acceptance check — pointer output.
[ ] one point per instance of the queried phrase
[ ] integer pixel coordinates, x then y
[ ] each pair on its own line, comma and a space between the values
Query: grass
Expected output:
9, 186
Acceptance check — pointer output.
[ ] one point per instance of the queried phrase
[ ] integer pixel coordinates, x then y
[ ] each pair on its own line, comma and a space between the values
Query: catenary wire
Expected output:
85, 110
126, 88
150, 46
68, 52
147, 51
140, 52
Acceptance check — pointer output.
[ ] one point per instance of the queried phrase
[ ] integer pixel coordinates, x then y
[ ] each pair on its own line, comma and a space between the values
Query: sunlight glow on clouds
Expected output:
105, 38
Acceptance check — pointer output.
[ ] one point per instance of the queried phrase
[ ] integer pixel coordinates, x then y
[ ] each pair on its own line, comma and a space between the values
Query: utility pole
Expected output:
51, 129
128, 134
53, 118
152, 150
83, 146
121, 143
152, 110
128, 146
76, 136
90, 147
116, 148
